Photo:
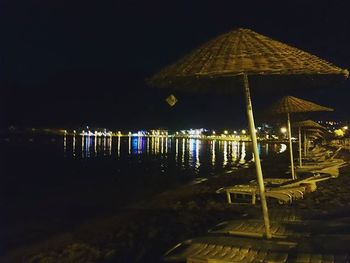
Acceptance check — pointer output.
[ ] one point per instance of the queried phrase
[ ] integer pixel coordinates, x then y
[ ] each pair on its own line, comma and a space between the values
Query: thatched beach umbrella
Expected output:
308, 124
311, 126
290, 104
315, 135
316, 131
237, 55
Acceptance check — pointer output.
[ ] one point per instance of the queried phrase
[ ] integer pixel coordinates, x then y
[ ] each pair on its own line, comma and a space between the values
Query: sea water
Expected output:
49, 184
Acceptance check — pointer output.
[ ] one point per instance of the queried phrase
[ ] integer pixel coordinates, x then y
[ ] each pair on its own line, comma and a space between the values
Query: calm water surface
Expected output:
49, 184
198, 155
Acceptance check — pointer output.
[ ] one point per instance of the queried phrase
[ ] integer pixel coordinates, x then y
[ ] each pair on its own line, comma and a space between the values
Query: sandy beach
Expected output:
143, 231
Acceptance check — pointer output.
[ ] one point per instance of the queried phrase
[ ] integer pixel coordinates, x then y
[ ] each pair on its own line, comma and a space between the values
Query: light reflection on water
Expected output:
185, 152
243, 154
213, 154
118, 147
73, 146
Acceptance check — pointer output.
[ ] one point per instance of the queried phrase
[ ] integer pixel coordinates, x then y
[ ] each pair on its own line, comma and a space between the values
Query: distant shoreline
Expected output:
204, 138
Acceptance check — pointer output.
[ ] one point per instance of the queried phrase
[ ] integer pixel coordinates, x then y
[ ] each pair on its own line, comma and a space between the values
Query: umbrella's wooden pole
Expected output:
259, 174
300, 158
290, 147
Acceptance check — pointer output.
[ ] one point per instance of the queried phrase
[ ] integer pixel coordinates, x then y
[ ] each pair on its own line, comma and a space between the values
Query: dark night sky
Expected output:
84, 62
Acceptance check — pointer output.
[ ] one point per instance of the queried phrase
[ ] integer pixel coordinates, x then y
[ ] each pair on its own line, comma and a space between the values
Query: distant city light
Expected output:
283, 148
339, 130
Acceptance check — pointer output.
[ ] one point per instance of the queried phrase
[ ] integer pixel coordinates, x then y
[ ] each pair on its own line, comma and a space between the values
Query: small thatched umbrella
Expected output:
310, 125
315, 131
315, 135
311, 134
237, 55
290, 104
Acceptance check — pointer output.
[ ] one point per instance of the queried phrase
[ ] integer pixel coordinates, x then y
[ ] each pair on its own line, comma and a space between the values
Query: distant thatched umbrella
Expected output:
237, 55
313, 135
315, 131
317, 134
306, 125
290, 104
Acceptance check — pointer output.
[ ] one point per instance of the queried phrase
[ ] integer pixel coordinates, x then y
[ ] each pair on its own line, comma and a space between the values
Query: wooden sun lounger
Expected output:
284, 190
323, 156
332, 171
309, 182
284, 195
229, 249
253, 228
283, 229
309, 167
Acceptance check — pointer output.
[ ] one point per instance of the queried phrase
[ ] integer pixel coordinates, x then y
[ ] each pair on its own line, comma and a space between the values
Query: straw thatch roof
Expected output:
315, 135
242, 51
290, 104
314, 130
308, 124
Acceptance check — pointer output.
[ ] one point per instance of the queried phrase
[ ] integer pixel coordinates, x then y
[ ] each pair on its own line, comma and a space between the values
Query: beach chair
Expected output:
254, 228
320, 156
332, 171
310, 182
283, 229
284, 195
317, 167
283, 190
228, 249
